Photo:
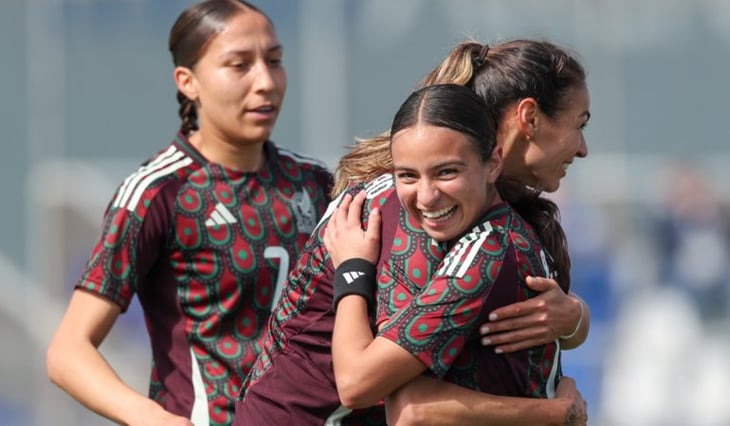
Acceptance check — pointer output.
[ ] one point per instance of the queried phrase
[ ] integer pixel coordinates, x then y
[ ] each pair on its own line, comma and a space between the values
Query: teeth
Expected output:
437, 213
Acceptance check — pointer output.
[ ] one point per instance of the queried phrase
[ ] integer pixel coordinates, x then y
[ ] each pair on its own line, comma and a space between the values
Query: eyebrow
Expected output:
438, 166
240, 52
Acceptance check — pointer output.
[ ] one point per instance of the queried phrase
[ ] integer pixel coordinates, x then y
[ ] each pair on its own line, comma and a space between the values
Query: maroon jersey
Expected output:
484, 270
292, 382
205, 247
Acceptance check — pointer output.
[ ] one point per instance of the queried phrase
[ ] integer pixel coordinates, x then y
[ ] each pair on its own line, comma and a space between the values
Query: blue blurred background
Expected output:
88, 94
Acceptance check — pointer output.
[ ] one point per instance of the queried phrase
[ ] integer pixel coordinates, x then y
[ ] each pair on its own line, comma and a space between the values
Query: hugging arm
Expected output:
551, 315
427, 401
368, 368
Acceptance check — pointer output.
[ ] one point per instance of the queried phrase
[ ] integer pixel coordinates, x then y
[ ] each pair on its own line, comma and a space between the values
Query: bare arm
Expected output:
539, 320
429, 402
76, 366
367, 369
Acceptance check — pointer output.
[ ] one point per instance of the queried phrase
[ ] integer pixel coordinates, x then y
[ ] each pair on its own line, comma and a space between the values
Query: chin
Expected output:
262, 136
552, 188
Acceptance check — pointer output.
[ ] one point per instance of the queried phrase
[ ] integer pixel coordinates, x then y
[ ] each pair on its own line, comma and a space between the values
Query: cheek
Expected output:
569, 146
221, 91
281, 80
535, 158
406, 196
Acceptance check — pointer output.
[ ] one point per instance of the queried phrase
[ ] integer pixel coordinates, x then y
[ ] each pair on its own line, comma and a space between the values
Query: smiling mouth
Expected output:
438, 215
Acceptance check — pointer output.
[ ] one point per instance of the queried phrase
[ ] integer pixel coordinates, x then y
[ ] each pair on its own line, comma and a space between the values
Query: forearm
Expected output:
580, 334
350, 338
426, 401
79, 369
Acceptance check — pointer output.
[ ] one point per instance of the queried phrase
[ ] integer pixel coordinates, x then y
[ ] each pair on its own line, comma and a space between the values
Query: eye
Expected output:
240, 65
405, 177
447, 172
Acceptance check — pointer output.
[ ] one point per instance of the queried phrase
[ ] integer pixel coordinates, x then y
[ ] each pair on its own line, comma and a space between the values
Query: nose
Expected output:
428, 193
582, 149
264, 79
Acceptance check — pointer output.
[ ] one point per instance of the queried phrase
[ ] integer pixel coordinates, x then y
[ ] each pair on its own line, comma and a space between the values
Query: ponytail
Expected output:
187, 114
457, 68
544, 217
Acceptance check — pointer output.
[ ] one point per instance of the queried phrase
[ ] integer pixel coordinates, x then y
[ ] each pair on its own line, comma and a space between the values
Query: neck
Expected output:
246, 157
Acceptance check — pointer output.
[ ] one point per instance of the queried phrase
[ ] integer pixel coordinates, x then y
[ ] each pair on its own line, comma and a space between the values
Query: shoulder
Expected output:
304, 162
167, 167
380, 192
486, 241
528, 248
520, 232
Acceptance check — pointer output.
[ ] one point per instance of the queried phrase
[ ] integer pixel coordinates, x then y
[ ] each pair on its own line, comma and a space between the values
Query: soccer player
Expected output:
445, 172
203, 232
293, 380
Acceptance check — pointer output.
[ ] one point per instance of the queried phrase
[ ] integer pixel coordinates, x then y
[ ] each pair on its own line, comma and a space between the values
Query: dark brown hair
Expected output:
501, 75
191, 34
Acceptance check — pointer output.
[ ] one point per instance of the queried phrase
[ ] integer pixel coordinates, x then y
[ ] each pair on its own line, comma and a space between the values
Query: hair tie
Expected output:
481, 57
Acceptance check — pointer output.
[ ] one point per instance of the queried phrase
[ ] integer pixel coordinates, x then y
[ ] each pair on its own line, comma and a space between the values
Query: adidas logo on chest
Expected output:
220, 215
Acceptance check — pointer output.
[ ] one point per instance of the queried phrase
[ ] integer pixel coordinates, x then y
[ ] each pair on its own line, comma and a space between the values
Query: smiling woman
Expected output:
204, 232
446, 171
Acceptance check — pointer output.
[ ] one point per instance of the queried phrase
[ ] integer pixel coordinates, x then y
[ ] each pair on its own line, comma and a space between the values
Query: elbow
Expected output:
55, 363
52, 362
354, 394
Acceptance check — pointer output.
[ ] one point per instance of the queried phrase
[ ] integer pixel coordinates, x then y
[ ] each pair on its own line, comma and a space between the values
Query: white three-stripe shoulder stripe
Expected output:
134, 186
459, 259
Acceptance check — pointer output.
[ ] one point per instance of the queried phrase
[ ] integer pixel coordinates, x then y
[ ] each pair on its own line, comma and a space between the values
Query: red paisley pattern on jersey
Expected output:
485, 269
189, 238
296, 351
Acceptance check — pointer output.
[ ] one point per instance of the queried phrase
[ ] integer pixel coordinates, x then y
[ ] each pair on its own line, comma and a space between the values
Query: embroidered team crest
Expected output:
304, 213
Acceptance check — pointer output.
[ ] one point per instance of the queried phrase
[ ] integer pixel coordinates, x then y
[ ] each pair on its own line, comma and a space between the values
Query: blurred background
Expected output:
88, 94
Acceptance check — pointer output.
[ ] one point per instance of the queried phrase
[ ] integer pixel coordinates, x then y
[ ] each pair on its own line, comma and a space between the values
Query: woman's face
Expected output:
240, 81
440, 179
556, 142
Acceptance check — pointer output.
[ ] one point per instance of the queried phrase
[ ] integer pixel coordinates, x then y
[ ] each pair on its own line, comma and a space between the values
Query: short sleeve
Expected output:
129, 245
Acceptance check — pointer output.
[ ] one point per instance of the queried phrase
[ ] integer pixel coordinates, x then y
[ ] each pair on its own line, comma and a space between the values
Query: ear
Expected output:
527, 115
496, 164
185, 82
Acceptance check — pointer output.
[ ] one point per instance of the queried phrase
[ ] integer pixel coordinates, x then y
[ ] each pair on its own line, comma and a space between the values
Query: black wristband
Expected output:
354, 276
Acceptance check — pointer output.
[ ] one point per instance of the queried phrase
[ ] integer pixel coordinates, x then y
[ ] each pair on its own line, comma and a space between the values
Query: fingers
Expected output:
541, 283
519, 309
516, 340
518, 346
344, 236
536, 319
354, 209
374, 223
577, 414
341, 214
566, 387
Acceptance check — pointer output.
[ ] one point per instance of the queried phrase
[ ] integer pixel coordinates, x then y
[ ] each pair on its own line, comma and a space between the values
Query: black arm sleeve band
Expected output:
354, 276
